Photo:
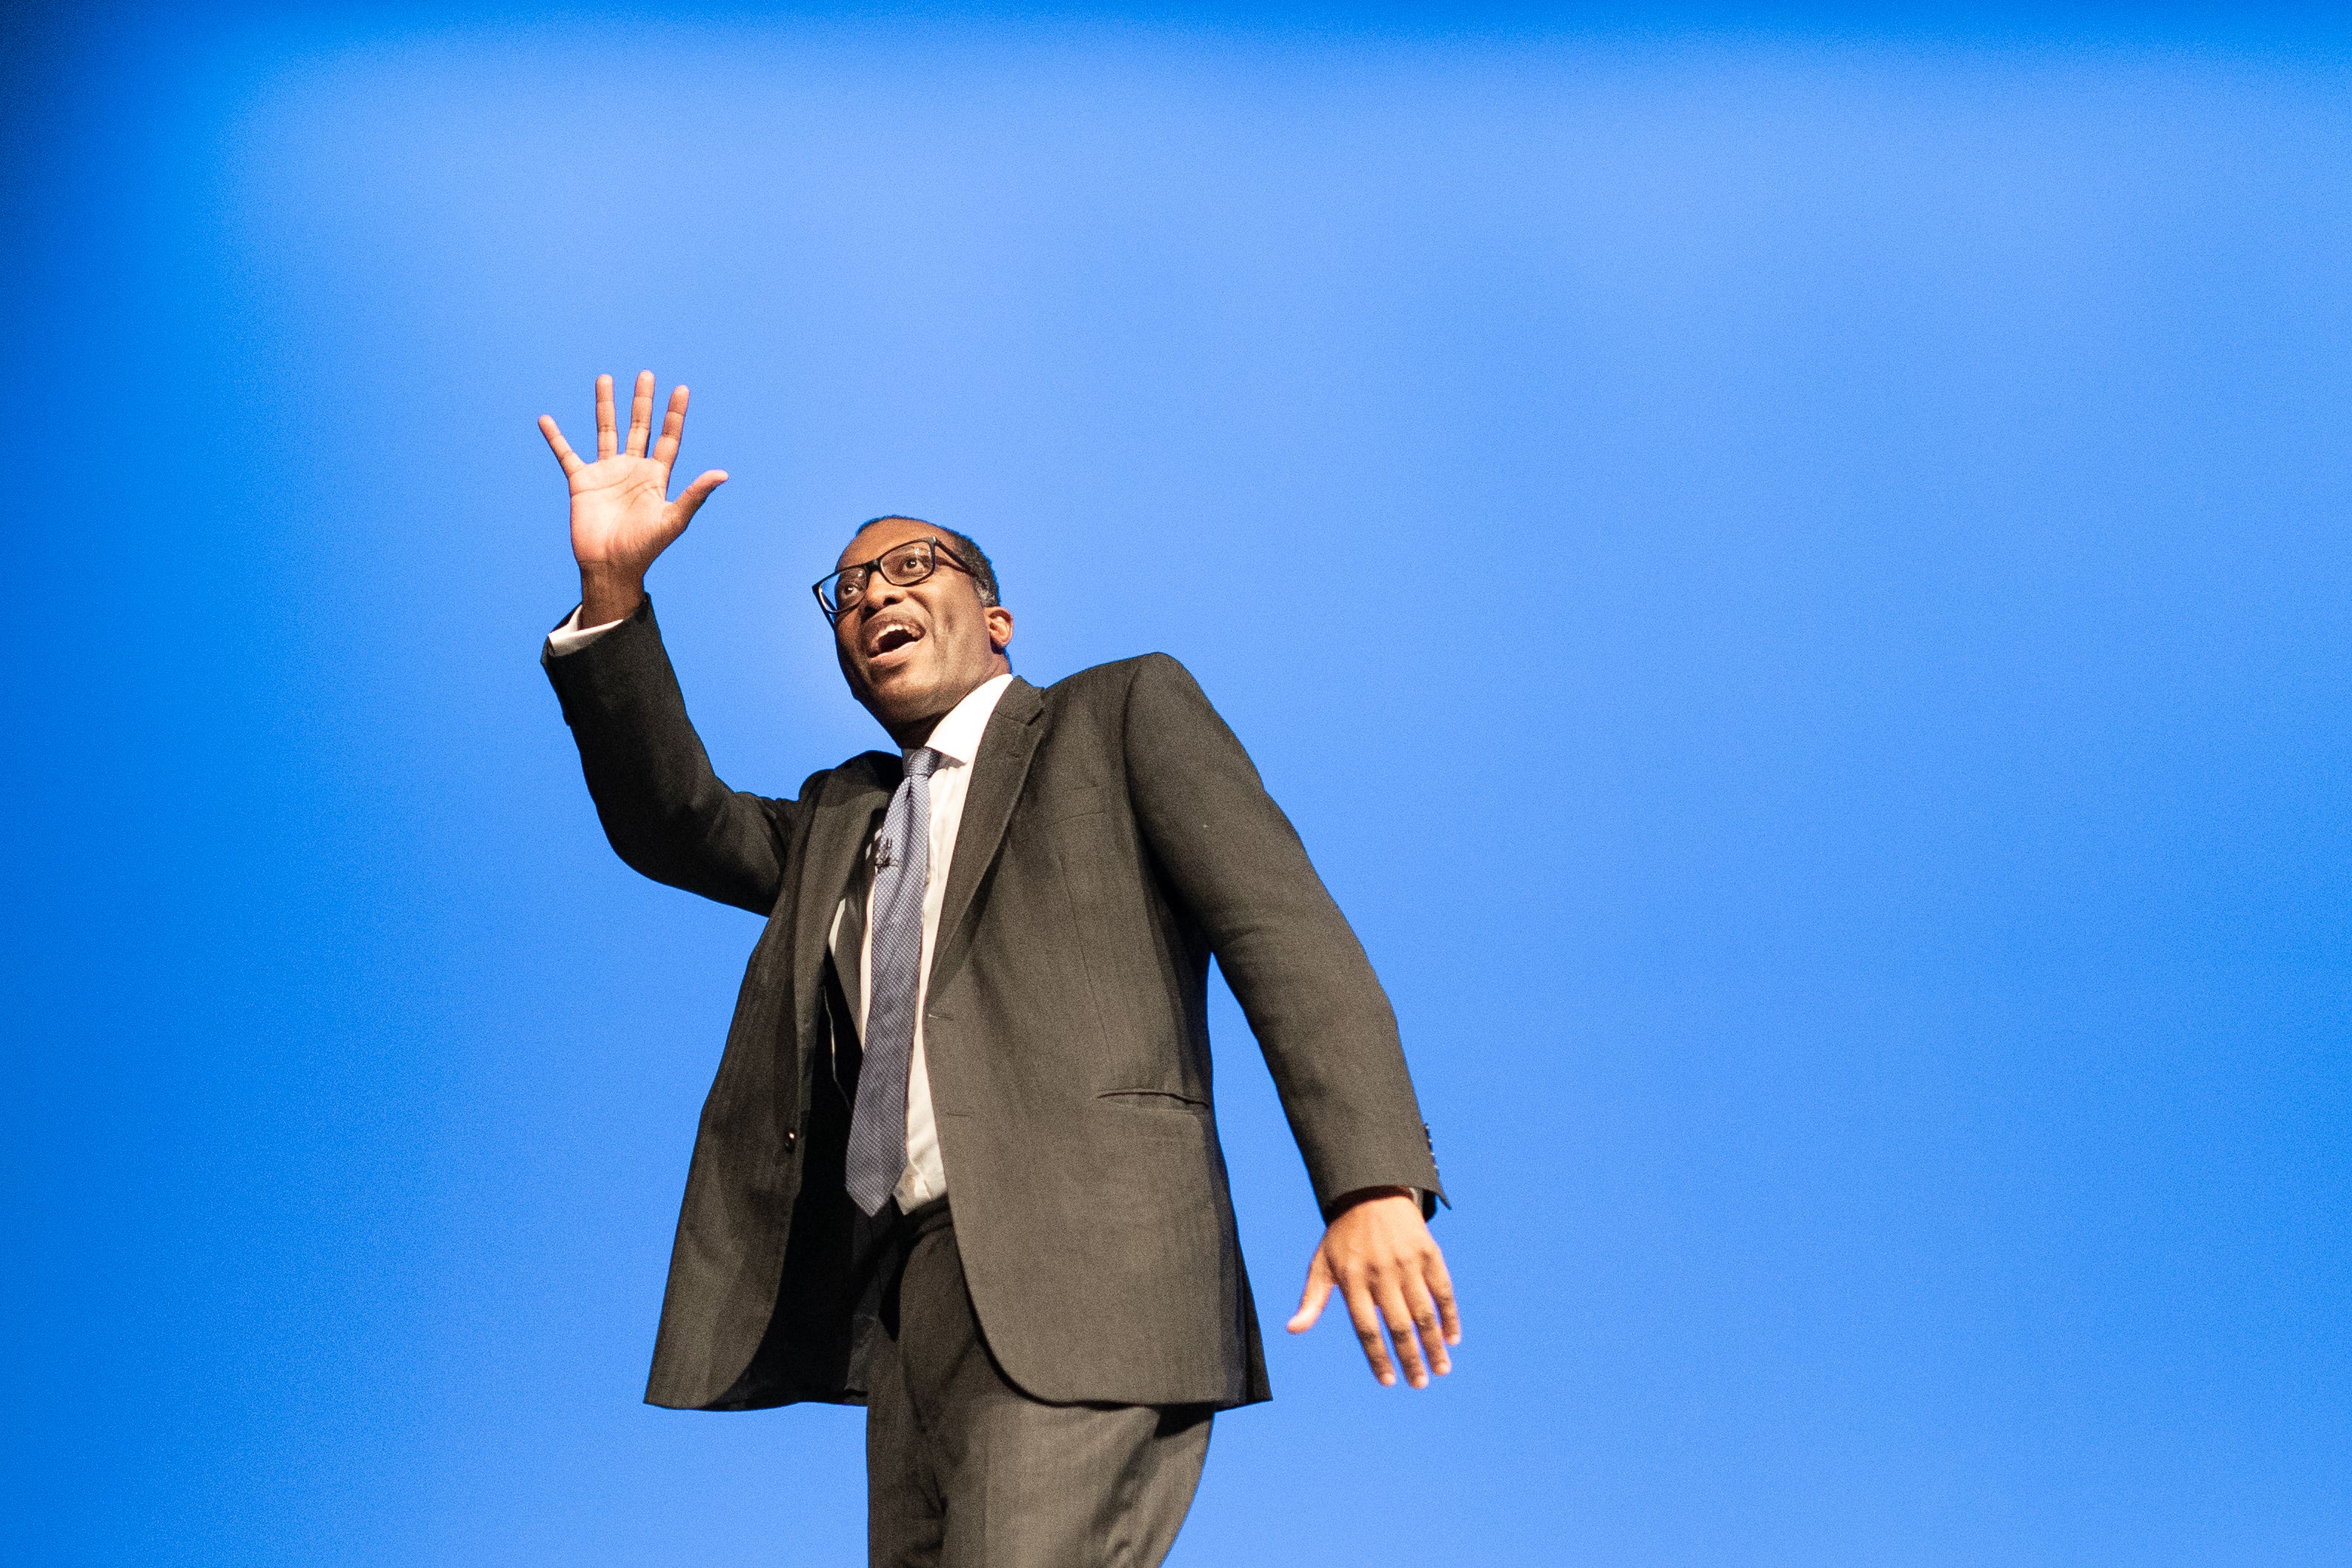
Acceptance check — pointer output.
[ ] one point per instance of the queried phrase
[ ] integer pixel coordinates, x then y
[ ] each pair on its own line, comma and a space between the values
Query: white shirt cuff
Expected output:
571, 637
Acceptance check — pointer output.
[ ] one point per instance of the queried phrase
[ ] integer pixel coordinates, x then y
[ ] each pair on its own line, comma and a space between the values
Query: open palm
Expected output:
621, 516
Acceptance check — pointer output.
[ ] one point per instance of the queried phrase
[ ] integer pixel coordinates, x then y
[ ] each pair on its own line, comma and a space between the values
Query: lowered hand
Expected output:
1378, 1253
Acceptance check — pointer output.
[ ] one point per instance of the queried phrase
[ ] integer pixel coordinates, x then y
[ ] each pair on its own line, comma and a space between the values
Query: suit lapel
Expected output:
997, 774
858, 790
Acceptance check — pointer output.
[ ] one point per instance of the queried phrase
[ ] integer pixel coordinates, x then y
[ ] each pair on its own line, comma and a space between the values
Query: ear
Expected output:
1000, 627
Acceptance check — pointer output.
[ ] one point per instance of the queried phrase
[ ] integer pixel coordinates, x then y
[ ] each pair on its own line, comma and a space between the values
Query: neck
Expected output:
910, 734
915, 732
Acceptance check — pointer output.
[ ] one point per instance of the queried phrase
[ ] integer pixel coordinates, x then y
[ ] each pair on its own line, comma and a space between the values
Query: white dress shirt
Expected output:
957, 739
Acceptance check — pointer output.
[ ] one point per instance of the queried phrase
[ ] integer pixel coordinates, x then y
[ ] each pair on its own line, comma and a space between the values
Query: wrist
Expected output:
609, 594
1349, 1200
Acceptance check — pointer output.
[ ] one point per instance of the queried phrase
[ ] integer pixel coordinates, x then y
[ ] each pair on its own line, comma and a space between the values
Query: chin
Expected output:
904, 695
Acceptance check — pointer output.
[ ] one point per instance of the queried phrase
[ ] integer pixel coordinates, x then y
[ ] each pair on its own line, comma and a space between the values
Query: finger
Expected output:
673, 429
697, 493
1422, 1302
606, 442
1311, 1300
1441, 1287
1399, 1318
1367, 1320
641, 414
562, 447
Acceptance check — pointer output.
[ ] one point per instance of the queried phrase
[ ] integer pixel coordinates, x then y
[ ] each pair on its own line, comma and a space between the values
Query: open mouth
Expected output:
892, 637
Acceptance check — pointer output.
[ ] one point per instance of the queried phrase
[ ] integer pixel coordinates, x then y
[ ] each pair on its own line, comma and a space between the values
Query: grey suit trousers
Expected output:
964, 1470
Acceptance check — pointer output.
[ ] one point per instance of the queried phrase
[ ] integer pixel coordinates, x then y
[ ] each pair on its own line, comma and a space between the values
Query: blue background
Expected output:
1789, 566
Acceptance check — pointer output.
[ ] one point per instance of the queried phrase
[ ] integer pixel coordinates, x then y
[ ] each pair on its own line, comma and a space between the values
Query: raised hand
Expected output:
621, 516
1380, 1256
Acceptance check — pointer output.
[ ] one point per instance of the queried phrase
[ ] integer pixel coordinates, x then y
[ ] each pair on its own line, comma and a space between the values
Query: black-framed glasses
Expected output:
903, 565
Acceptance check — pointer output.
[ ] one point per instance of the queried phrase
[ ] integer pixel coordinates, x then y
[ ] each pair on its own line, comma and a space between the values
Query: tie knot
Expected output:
923, 762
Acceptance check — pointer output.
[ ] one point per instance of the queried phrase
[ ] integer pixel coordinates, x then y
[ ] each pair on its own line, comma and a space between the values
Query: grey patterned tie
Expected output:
902, 855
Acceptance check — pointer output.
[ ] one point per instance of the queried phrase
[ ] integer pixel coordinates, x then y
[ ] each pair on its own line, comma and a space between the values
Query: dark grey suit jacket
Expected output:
1114, 839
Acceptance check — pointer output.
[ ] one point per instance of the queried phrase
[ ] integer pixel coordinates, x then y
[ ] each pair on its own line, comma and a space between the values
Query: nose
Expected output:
880, 593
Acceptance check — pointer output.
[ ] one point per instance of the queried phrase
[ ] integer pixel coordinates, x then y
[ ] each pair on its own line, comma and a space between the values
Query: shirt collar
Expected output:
957, 736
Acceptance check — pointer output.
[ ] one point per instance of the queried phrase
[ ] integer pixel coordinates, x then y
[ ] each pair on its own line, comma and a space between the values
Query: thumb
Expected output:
699, 492
1311, 1300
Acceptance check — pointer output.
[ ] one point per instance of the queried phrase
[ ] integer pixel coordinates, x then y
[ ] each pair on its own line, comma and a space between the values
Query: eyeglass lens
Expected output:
905, 567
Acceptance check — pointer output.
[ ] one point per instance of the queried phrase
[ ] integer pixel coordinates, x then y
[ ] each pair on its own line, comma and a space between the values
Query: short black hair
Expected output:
967, 550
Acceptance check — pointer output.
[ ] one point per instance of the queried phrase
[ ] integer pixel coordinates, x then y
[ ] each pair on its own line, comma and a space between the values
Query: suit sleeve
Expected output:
666, 812
1318, 1012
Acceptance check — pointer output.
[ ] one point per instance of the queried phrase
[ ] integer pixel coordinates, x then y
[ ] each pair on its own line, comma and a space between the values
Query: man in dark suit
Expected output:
959, 1163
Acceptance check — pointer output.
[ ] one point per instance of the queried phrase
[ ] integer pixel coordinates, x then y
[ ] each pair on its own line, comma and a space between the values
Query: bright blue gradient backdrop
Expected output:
1792, 573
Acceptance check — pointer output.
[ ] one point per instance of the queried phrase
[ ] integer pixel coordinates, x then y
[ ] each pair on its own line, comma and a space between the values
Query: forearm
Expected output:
1331, 1044
666, 811
1331, 1040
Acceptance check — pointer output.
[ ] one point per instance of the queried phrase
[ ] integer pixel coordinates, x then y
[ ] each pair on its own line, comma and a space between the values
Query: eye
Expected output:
849, 587
908, 563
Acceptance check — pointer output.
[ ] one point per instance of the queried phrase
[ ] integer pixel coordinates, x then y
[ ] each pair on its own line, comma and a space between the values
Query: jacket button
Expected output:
790, 1138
